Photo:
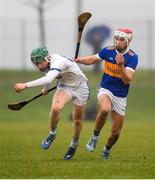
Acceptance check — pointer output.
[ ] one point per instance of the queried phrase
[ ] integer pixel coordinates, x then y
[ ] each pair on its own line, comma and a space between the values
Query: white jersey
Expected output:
69, 72
64, 69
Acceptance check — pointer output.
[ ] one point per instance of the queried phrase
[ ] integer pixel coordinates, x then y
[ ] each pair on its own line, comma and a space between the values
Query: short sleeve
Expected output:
102, 54
133, 62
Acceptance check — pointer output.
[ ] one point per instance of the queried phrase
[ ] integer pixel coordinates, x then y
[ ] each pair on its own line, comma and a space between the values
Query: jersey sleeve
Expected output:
50, 76
132, 64
102, 54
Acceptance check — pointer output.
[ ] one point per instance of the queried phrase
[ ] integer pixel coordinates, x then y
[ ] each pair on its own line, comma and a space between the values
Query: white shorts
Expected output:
118, 103
79, 94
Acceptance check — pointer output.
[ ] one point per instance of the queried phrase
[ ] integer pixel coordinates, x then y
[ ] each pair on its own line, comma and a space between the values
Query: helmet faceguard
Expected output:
124, 33
39, 55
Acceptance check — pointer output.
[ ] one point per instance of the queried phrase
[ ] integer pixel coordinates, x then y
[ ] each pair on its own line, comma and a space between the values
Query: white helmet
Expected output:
124, 33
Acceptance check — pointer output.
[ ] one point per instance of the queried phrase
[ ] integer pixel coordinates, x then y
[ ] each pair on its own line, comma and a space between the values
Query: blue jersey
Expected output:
111, 78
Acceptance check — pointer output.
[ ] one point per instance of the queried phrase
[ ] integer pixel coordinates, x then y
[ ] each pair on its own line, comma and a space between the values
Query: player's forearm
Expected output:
87, 60
125, 75
39, 82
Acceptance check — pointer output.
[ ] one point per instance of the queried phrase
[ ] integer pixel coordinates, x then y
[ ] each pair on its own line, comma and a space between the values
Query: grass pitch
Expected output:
22, 157
21, 134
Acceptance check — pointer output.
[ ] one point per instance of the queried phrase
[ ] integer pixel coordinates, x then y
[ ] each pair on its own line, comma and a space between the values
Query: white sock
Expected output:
95, 137
74, 143
53, 131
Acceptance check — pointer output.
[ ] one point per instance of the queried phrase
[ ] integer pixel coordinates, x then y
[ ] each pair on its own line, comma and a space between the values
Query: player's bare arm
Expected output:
126, 74
87, 60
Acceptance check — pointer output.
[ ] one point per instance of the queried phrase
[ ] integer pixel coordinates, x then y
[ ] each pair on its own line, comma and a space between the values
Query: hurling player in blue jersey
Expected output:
119, 67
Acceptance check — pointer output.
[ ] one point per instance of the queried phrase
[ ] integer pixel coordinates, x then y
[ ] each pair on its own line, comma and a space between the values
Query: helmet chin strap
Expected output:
48, 58
127, 49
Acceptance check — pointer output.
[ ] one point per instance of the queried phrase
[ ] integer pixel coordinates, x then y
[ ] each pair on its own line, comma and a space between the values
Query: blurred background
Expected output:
26, 24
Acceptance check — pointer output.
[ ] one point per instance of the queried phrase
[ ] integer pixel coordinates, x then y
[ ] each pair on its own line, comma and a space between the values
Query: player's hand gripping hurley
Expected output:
82, 20
19, 105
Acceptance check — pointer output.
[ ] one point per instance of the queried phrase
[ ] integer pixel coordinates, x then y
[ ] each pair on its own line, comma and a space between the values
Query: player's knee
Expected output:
55, 110
105, 110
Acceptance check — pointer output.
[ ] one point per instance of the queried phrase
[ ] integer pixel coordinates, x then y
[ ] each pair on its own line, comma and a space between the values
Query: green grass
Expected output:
21, 134
22, 157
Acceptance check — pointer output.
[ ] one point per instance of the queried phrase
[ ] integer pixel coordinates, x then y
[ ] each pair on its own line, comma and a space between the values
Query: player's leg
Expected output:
80, 96
104, 108
60, 98
117, 116
116, 126
78, 112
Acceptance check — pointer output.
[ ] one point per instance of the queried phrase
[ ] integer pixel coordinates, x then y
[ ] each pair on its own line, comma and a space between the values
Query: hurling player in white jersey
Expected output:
119, 67
71, 86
